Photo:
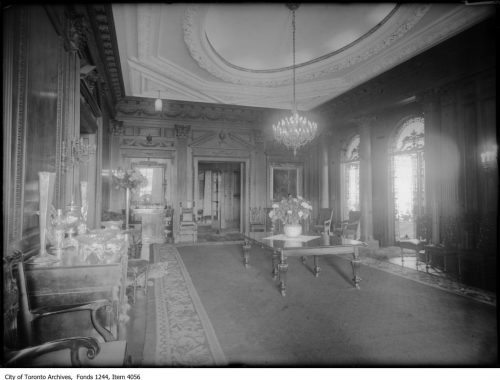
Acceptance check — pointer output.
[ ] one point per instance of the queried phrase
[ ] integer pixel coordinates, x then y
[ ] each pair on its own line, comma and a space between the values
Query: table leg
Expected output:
283, 268
275, 264
246, 252
317, 269
355, 266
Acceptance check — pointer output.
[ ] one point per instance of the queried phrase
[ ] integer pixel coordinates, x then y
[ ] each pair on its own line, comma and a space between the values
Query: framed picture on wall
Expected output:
285, 179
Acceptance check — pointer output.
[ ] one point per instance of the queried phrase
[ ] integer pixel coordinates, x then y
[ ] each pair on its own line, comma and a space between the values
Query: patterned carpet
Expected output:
388, 259
178, 331
180, 334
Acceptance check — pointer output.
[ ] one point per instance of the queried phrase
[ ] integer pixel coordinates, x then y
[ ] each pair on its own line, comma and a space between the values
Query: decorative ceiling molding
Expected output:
433, 34
405, 18
101, 18
164, 47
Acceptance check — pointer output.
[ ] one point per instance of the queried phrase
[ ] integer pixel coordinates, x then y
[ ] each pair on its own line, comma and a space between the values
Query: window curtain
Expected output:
207, 194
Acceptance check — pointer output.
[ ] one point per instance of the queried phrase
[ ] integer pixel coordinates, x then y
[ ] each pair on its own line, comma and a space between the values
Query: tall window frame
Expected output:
407, 165
350, 164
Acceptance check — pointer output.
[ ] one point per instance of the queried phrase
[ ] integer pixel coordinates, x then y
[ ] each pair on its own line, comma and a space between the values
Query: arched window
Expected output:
350, 183
408, 177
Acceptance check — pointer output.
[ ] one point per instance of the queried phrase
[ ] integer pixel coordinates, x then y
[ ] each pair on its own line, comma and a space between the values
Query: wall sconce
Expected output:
158, 103
489, 158
76, 151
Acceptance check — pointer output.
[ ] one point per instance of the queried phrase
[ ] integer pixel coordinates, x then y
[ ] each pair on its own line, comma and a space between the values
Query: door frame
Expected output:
244, 182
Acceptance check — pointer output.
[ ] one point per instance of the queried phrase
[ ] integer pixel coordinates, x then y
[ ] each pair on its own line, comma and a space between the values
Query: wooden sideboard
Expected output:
63, 286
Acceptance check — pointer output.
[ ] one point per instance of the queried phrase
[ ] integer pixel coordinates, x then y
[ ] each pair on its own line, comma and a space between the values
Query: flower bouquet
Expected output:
291, 211
128, 179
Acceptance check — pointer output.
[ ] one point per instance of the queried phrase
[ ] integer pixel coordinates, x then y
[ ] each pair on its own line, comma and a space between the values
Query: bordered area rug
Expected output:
178, 331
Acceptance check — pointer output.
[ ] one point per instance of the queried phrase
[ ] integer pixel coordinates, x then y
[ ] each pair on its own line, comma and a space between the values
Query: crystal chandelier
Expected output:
294, 131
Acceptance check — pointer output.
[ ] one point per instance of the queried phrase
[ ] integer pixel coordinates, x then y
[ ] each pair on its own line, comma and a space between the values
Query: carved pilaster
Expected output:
91, 79
365, 124
77, 31
182, 131
116, 127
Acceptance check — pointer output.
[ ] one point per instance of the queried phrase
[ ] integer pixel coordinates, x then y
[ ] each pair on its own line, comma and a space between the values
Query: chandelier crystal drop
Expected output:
294, 131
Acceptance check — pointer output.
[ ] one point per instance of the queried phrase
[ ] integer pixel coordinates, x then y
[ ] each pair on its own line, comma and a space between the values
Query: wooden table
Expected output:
319, 245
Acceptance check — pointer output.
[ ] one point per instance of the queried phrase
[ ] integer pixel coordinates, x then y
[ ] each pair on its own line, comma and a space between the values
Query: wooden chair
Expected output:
349, 228
70, 352
257, 219
323, 221
66, 352
188, 228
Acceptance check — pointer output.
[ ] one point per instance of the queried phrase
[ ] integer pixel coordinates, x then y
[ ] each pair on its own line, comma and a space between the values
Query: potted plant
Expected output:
290, 212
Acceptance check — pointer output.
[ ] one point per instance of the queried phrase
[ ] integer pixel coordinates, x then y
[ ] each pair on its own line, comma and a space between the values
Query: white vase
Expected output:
46, 181
292, 230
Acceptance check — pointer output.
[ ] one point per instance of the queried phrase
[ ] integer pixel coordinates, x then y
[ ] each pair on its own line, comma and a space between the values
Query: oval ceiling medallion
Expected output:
322, 31
252, 44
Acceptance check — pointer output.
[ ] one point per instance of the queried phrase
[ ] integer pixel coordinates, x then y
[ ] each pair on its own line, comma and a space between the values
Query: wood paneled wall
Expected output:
453, 86
44, 47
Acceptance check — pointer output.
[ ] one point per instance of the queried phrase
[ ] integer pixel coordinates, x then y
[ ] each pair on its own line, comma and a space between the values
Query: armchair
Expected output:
29, 315
65, 352
188, 229
349, 228
68, 353
323, 221
257, 219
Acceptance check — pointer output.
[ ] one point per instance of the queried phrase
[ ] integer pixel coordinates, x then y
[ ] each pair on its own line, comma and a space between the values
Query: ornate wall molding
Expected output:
146, 153
221, 140
212, 152
143, 142
116, 127
182, 131
142, 107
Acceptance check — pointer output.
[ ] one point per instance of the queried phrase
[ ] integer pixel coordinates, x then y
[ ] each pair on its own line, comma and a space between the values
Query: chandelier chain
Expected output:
294, 131
294, 105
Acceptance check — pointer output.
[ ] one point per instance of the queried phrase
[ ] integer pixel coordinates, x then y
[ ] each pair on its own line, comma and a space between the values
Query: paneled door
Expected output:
231, 196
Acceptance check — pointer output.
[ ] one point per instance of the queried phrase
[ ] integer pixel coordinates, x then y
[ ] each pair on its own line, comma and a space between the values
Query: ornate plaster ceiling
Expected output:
242, 53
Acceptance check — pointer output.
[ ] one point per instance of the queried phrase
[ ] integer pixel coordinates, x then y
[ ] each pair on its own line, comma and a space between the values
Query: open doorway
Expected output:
219, 197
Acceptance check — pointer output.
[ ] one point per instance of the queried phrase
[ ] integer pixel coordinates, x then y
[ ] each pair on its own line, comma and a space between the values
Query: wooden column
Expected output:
181, 133
365, 180
324, 159
430, 105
